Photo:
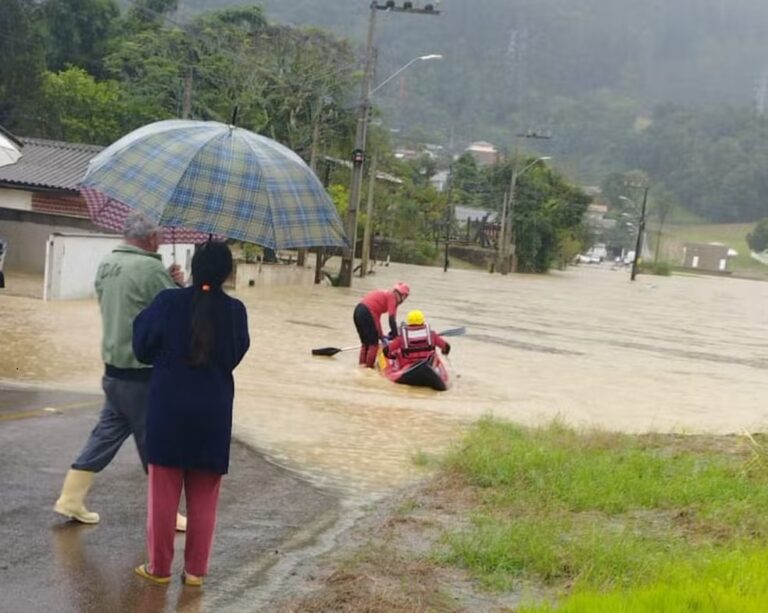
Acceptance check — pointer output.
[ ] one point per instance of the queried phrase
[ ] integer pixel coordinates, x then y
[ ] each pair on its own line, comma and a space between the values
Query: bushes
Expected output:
413, 251
758, 238
655, 268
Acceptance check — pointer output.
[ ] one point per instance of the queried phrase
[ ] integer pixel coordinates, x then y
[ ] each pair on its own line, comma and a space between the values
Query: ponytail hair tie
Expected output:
205, 287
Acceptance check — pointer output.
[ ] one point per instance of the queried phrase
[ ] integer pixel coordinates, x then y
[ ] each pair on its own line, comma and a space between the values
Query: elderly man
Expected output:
128, 279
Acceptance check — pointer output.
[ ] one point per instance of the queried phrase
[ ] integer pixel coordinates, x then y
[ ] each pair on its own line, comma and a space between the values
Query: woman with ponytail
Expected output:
194, 338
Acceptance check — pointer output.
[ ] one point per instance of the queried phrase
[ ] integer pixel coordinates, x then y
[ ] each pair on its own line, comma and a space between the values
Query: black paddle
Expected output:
330, 351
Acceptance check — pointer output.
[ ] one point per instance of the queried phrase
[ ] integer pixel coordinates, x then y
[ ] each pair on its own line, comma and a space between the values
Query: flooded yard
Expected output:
680, 353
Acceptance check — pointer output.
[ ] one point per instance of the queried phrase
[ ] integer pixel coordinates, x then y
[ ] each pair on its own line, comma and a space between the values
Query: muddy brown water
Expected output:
687, 354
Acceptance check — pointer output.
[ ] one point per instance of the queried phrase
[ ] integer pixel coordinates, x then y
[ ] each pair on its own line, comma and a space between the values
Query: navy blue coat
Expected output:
189, 417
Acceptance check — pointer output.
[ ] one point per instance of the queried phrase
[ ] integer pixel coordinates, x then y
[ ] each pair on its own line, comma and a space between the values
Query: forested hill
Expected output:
532, 56
672, 87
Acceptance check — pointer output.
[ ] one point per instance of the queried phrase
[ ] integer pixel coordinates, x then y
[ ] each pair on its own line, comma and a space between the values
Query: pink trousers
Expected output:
202, 494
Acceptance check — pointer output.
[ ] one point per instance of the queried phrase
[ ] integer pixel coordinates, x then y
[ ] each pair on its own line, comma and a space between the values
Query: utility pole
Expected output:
361, 133
448, 217
368, 218
186, 100
640, 232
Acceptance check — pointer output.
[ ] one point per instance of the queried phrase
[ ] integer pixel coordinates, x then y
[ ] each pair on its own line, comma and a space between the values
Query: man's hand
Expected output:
177, 274
447, 349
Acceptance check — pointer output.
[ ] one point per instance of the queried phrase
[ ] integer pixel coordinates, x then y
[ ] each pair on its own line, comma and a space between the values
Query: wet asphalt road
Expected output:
266, 515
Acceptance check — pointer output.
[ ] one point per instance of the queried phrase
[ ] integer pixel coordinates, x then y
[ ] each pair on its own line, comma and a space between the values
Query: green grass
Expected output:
609, 516
735, 582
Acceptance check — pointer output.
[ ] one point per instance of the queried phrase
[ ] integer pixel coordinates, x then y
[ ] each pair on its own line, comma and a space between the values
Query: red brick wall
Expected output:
60, 204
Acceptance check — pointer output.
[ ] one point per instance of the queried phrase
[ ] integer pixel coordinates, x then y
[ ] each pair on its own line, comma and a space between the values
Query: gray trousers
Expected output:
124, 413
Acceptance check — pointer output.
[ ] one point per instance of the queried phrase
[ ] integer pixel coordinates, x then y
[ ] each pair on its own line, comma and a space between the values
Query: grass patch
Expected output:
735, 582
422, 459
659, 268
602, 515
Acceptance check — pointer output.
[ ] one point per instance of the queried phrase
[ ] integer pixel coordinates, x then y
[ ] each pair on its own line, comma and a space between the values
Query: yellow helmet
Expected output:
415, 318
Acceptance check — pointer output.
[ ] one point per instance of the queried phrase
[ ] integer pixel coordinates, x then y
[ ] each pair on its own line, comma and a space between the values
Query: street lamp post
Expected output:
508, 208
372, 170
361, 132
640, 229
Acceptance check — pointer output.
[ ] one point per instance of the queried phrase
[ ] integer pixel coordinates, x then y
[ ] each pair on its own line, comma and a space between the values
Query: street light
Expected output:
361, 133
431, 56
372, 170
640, 228
358, 160
506, 216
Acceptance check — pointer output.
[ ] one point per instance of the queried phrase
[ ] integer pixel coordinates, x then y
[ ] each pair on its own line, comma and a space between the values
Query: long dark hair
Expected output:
211, 265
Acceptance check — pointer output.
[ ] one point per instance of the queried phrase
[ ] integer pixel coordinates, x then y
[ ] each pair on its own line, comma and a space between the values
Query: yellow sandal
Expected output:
143, 571
192, 582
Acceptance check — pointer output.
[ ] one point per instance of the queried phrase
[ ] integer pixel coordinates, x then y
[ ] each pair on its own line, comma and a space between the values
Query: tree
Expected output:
78, 33
758, 238
77, 108
22, 53
467, 183
547, 215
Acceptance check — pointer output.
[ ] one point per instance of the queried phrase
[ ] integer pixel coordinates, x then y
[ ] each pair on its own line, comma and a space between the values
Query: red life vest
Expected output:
417, 342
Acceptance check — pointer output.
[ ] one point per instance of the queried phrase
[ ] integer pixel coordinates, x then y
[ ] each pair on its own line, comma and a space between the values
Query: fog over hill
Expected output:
620, 84
515, 61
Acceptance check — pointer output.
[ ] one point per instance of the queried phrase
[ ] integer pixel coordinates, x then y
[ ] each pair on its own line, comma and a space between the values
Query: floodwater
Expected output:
682, 353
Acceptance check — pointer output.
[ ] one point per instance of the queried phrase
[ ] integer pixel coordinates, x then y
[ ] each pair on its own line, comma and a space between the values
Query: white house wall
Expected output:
15, 199
26, 245
73, 259
72, 263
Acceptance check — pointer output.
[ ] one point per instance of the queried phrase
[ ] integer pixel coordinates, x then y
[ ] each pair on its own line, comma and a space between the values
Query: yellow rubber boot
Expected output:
71, 502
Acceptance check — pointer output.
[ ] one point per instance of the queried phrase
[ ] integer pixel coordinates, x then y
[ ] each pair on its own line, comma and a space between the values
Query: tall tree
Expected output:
78, 33
22, 62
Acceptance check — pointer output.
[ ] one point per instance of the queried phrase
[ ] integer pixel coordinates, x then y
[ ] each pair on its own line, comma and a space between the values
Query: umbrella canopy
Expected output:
10, 148
213, 178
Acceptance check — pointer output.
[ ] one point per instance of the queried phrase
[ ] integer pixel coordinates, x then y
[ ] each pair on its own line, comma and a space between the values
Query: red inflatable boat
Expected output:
426, 373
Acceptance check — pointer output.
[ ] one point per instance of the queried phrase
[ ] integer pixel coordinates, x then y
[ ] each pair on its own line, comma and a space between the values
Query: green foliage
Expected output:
660, 268
250, 252
78, 33
758, 238
593, 72
22, 60
421, 251
467, 183
77, 108
547, 212
599, 511
340, 196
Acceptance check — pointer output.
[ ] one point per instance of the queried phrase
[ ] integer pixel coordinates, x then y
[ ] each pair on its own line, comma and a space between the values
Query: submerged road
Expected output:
266, 516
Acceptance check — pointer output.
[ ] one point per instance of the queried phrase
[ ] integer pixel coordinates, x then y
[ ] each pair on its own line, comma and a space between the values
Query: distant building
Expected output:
707, 257
39, 196
484, 153
463, 213
439, 180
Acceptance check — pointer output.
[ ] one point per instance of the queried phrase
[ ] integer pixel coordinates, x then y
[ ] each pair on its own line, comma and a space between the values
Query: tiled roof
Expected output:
48, 164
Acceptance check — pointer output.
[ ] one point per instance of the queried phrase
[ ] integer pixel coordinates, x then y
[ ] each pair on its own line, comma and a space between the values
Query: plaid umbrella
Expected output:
207, 177
10, 148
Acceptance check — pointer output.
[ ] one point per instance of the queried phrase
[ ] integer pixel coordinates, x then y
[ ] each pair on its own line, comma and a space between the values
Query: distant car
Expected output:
587, 259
